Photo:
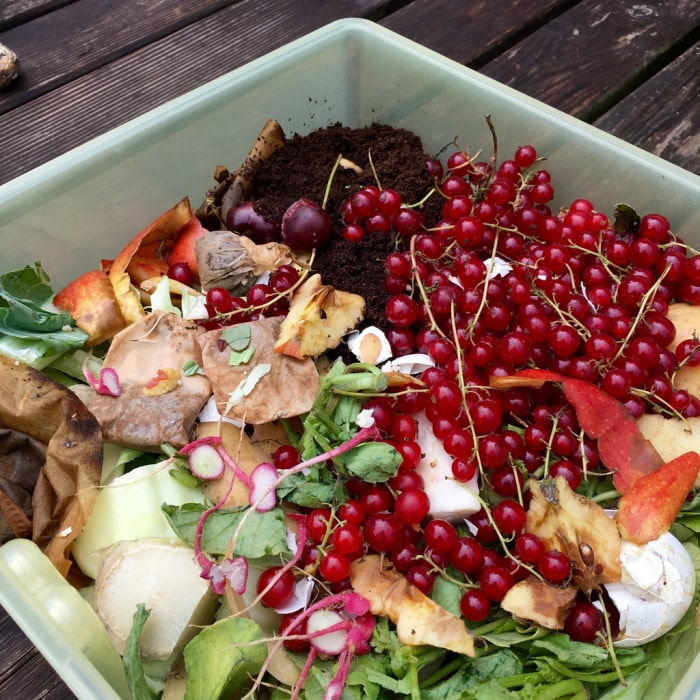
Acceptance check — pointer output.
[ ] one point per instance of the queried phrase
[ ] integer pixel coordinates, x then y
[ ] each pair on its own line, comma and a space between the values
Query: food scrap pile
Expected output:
395, 426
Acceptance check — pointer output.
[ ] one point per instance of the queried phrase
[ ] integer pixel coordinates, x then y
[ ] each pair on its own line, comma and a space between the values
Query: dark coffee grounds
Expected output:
302, 169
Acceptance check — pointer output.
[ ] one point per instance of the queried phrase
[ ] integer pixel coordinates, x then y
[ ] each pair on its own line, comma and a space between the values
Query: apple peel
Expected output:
651, 505
621, 444
319, 316
91, 302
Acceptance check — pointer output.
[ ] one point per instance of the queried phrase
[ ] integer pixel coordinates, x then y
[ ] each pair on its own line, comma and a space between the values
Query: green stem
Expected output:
327, 192
605, 496
413, 677
444, 672
562, 689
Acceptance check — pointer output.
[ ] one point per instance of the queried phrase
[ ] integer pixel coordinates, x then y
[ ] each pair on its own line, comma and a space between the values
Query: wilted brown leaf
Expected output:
66, 445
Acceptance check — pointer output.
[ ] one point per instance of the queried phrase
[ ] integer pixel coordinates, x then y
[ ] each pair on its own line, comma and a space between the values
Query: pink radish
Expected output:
262, 495
107, 383
205, 462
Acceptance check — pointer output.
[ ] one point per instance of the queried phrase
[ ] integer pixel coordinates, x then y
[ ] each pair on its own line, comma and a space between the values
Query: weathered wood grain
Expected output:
78, 38
471, 32
24, 673
73, 113
588, 58
12, 12
89, 65
663, 115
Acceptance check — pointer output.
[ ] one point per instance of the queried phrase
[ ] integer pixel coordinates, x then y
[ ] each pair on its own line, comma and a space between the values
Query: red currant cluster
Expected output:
262, 300
371, 210
500, 283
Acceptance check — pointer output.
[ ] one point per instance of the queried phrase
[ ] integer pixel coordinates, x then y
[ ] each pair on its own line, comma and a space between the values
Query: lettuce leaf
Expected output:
262, 534
30, 330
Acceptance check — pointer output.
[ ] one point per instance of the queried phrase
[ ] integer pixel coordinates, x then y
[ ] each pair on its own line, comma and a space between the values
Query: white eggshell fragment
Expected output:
449, 498
656, 589
369, 345
164, 577
414, 363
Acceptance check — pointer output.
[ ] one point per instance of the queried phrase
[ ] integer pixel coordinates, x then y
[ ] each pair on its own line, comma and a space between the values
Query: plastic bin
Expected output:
84, 205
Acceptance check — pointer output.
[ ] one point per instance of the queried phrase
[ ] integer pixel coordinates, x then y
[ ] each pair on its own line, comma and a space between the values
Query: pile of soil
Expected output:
302, 169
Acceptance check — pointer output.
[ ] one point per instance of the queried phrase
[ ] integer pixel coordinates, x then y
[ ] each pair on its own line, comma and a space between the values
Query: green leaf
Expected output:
190, 368
241, 357
372, 461
29, 332
237, 337
28, 283
135, 676
311, 490
262, 534
479, 678
247, 385
448, 595
221, 660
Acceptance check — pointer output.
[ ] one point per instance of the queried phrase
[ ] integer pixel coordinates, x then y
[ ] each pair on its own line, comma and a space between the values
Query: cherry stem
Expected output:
421, 289
327, 191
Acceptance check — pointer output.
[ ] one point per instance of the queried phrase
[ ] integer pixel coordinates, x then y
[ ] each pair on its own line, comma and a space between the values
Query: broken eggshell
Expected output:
414, 363
656, 589
449, 499
369, 345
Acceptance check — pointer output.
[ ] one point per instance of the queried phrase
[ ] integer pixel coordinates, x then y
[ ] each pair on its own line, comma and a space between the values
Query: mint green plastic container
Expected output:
83, 206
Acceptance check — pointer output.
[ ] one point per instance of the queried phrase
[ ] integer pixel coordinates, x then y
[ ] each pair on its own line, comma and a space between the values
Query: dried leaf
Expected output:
287, 390
51, 417
157, 342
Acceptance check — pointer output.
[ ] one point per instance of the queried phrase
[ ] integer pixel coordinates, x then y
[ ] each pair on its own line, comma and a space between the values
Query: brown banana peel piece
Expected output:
50, 463
418, 619
234, 187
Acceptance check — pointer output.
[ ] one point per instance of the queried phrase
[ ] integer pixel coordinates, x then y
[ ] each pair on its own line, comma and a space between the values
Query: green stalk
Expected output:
563, 689
413, 677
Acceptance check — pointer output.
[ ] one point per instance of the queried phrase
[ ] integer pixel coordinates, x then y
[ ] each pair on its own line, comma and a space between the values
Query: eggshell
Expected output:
656, 589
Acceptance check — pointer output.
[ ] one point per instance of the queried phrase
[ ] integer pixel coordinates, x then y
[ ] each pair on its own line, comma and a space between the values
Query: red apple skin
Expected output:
90, 301
651, 505
183, 247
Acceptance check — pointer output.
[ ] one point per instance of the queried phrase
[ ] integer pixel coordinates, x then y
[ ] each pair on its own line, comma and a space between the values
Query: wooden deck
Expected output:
630, 67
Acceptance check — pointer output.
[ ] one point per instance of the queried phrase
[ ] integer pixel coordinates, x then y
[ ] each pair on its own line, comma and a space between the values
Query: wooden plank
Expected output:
586, 59
75, 39
12, 12
24, 673
66, 117
470, 32
668, 104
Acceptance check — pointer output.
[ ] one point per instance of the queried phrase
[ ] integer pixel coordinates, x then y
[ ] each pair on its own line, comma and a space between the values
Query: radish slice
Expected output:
262, 494
206, 463
333, 642
107, 383
236, 571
